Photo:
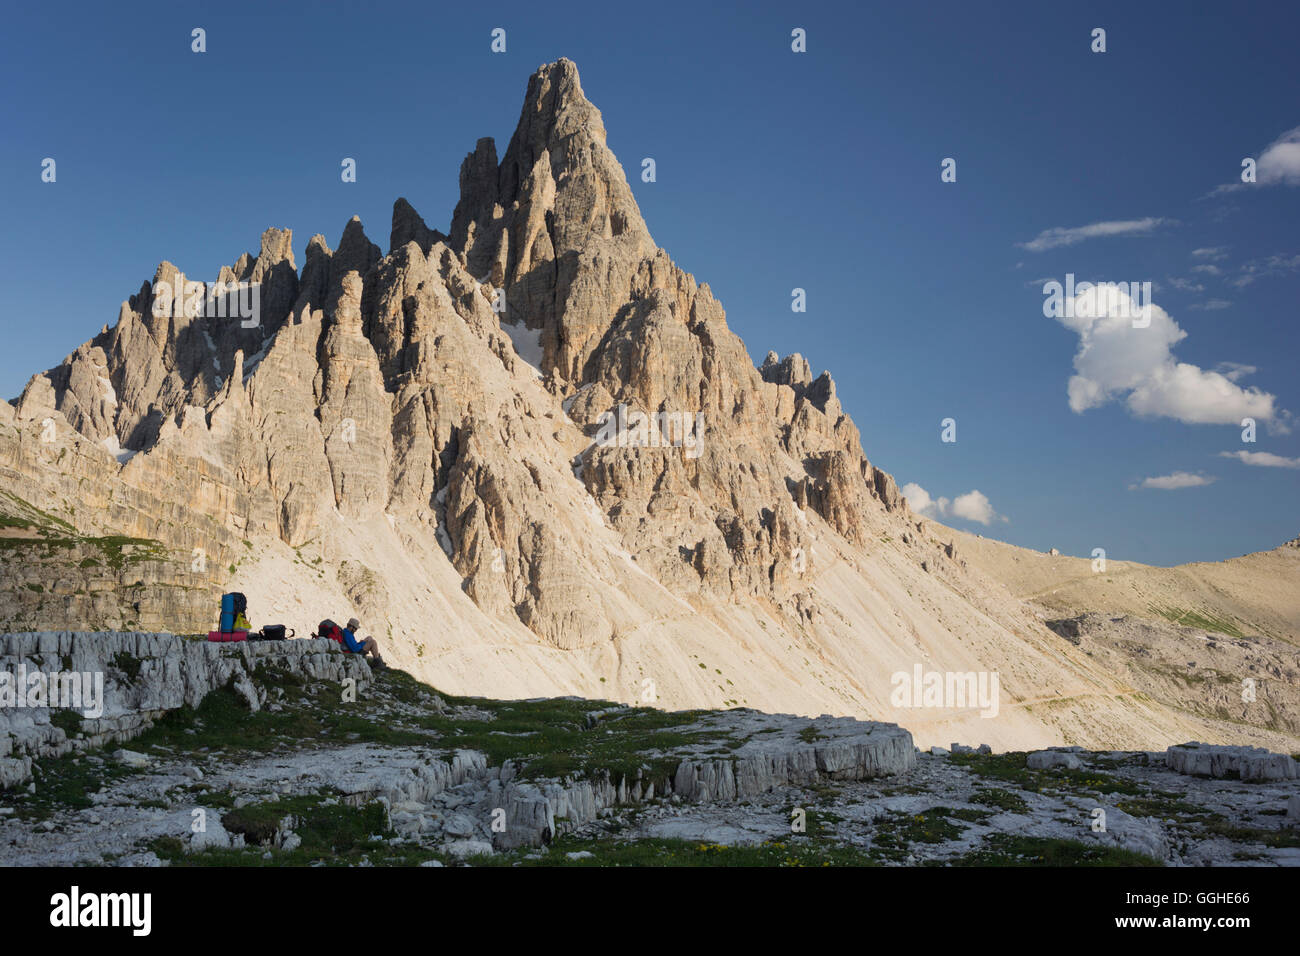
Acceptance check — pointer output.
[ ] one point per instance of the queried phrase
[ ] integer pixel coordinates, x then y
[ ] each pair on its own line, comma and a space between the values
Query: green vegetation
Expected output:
223, 721
1001, 799
51, 535
331, 832
545, 738
1010, 768
549, 738
817, 823
65, 783
17, 513
206, 796
128, 664
1006, 849
115, 548
1239, 834
792, 852
69, 721
1203, 621
1165, 806
319, 820
557, 738
894, 833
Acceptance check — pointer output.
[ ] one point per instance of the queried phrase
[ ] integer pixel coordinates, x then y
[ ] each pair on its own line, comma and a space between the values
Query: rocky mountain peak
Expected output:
557, 202
541, 408
558, 120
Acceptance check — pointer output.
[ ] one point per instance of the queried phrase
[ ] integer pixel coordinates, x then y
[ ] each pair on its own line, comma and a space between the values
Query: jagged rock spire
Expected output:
408, 226
559, 124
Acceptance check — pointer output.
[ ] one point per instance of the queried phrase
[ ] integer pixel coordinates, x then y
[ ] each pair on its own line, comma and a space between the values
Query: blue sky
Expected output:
775, 170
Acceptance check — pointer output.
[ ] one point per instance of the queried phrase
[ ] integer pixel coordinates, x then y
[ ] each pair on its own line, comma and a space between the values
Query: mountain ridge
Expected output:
380, 443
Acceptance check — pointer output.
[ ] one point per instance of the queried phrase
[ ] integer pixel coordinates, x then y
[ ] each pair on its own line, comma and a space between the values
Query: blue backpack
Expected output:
232, 605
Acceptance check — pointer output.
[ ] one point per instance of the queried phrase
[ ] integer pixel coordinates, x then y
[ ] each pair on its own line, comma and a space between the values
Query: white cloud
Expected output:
919, 500
972, 506
1179, 479
1262, 459
1117, 361
1210, 252
1211, 305
1186, 285
1062, 236
1280, 162
1272, 266
1209, 268
1277, 165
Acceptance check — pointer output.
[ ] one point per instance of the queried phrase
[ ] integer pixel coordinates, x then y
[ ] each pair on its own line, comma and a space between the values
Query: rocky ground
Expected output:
1247, 679
399, 774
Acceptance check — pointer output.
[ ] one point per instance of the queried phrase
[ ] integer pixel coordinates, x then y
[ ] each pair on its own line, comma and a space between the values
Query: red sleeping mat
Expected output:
224, 637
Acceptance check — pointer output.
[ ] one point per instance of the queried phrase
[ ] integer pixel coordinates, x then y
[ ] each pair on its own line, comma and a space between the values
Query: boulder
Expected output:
1049, 759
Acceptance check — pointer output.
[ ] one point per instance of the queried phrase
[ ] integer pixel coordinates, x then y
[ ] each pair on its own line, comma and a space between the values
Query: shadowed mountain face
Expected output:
534, 459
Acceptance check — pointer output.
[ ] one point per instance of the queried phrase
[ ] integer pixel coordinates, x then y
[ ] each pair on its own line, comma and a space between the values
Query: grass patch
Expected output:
1006, 849
1010, 768
114, 548
333, 833
1239, 834
65, 783
1001, 799
325, 828
23, 514
549, 738
817, 823
1166, 806
223, 721
68, 721
896, 832
1205, 622
794, 852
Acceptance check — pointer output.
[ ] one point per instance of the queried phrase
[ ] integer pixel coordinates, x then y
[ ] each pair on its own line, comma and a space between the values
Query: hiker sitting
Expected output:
356, 645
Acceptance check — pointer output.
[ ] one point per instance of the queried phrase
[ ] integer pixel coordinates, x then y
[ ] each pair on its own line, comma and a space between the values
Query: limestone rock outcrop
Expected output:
130, 679
1240, 763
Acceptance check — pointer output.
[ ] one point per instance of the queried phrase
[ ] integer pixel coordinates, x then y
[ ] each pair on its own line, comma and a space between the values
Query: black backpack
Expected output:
274, 632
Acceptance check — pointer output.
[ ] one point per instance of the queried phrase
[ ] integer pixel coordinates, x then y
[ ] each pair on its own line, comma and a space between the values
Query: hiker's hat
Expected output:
353, 624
